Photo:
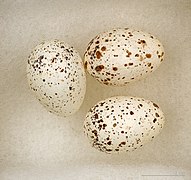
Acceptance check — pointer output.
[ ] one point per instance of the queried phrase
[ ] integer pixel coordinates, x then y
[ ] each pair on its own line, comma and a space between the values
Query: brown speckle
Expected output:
98, 55
53, 59
123, 143
156, 114
104, 125
148, 55
103, 48
149, 64
131, 112
109, 143
41, 57
85, 64
136, 55
99, 68
143, 42
96, 116
114, 125
128, 53
115, 68
105, 82
155, 105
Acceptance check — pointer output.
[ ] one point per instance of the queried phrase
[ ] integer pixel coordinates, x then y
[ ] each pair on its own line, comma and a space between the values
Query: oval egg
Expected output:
56, 75
119, 56
120, 123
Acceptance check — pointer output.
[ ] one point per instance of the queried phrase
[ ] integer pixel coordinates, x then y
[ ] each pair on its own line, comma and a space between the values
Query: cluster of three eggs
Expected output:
56, 74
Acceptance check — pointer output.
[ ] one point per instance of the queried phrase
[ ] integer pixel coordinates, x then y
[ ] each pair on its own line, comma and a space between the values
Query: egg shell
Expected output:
120, 124
56, 75
120, 56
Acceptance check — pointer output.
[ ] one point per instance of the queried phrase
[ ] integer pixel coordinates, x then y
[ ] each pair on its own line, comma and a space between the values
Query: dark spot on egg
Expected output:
115, 68
103, 48
148, 55
149, 64
156, 114
114, 125
98, 54
131, 112
85, 64
136, 55
154, 120
123, 143
99, 68
109, 143
96, 116
155, 105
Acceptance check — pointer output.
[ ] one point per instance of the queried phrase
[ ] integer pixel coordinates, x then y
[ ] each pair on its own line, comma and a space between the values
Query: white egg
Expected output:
119, 56
120, 123
56, 75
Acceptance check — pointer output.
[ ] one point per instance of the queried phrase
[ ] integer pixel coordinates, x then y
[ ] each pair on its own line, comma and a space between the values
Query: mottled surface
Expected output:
120, 123
56, 75
119, 56
37, 145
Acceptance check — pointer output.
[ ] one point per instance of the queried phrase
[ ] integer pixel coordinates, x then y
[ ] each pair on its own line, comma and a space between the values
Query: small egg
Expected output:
120, 56
56, 75
120, 124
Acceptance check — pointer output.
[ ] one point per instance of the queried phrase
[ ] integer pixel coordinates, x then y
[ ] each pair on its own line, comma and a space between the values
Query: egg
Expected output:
56, 75
120, 56
120, 124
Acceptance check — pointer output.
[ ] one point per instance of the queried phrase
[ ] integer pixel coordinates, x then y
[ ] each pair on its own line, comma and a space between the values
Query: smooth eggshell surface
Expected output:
119, 56
56, 75
120, 124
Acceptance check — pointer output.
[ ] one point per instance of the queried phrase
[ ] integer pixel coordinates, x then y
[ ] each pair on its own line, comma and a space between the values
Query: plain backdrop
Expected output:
35, 144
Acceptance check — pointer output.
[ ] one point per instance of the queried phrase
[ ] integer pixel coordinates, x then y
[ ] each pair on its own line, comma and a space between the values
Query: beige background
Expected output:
35, 144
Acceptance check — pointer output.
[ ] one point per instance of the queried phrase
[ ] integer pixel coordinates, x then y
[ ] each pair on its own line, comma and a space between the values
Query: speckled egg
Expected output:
119, 56
120, 124
56, 75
